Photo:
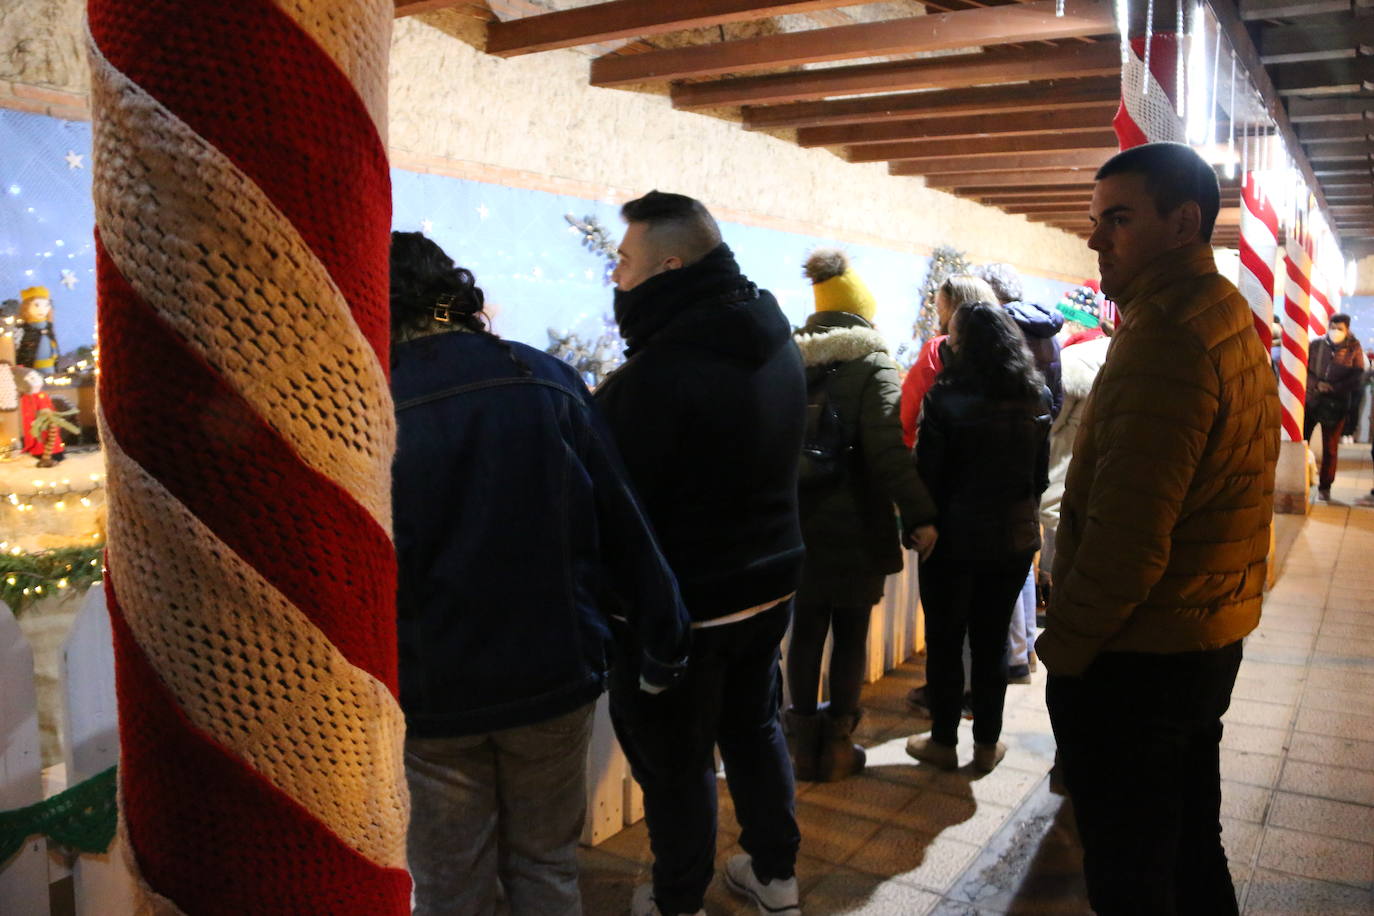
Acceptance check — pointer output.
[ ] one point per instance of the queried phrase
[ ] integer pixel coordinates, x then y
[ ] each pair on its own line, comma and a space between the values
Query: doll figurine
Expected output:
37, 341
42, 422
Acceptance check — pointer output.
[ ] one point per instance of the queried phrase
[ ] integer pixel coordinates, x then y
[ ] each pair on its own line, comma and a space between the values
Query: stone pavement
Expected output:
1297, 767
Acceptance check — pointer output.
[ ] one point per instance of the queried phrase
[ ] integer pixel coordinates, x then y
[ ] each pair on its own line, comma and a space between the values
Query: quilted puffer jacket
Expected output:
1164, 530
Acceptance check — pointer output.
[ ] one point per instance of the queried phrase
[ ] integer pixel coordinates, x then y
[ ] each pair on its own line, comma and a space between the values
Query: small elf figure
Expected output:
42, 422
37, 341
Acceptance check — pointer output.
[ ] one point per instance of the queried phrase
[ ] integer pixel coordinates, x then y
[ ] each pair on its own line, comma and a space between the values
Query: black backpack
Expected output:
826, 444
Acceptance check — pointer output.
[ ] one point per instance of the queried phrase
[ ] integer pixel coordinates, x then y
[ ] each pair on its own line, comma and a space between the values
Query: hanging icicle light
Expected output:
1059, 8
1180, 95
1244, 148
1197, 78
1123, 26
1149, 35
1213, 95
1231, 122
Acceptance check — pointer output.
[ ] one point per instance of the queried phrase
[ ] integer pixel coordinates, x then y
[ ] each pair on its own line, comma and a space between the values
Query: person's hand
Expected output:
1324, 387
922, 540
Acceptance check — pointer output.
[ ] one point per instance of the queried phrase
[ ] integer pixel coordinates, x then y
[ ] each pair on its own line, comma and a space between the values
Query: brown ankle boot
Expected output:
839, 755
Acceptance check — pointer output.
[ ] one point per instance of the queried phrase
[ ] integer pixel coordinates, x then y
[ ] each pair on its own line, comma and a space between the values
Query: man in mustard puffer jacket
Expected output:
1162, 544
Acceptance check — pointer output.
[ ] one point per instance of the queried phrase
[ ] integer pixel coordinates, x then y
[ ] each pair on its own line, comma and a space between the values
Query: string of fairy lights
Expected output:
1209, 78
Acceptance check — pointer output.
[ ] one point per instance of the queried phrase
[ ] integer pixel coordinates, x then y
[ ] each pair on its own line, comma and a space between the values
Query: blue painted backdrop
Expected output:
530, 262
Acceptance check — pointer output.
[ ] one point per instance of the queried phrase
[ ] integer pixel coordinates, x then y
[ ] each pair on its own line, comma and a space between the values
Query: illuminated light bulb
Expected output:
60, 505
26, 591
38, 589
11, 581
15, 552
61, 583
95, 562
85, 502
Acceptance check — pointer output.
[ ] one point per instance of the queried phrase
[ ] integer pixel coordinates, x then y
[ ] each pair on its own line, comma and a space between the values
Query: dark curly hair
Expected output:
425, 283
992, 358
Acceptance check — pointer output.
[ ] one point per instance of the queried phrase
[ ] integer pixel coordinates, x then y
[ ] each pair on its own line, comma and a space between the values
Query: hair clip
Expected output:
443, 308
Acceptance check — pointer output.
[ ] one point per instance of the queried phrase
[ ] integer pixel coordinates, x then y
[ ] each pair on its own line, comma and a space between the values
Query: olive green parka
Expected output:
849, 525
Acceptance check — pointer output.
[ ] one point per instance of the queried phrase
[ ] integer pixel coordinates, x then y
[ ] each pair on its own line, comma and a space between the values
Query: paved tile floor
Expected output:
1297, 767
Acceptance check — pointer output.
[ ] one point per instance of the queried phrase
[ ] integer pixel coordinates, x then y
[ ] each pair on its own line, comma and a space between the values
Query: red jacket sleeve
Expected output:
918, 381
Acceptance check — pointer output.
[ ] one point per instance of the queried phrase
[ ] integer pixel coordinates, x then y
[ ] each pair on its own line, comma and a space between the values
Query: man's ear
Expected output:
1187, 223
672, 263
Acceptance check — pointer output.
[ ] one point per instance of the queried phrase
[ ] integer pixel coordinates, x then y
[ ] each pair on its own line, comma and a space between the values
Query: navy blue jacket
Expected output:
517, 535
709, 412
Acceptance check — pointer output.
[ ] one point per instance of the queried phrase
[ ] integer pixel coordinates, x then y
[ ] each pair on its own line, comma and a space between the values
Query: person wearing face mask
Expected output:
1335, 366
709, 412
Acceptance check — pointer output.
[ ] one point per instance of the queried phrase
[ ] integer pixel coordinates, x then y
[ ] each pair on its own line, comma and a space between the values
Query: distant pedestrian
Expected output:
1335, 368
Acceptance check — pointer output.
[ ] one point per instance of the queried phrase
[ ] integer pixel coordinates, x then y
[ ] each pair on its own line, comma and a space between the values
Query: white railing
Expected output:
90, 744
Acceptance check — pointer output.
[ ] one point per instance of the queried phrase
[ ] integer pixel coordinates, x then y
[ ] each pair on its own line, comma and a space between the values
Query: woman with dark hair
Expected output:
983, 450
517, 539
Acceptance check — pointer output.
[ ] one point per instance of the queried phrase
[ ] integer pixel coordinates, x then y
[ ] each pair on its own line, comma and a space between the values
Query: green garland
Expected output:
83, 818
28, 577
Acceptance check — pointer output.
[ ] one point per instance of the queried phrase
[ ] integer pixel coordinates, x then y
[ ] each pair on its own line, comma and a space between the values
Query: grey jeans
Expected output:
496, 818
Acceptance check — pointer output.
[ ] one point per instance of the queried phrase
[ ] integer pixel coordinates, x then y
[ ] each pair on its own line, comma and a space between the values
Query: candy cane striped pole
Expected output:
1322, 306
243, 207
1259, 233
1296, 306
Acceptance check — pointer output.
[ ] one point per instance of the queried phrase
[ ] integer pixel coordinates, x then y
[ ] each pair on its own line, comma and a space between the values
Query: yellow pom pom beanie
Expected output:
836, 287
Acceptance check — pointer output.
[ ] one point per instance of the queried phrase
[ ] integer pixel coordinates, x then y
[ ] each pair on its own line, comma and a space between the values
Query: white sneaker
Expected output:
642, 903
776, 898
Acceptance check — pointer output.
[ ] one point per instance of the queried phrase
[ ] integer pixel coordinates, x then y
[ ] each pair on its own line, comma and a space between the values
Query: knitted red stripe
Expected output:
246, 78
319, 548
186, 799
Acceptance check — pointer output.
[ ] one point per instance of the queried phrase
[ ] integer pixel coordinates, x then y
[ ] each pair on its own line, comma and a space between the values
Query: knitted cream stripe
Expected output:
358, 38
147, 902
203, 246
250, 669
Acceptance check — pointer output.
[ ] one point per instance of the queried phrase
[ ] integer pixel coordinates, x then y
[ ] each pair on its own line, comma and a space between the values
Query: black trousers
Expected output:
731, 696
960, 596
1139, 742
1332, 430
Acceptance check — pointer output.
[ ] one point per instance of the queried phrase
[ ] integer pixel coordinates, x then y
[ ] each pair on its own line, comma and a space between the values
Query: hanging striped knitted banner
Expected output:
243, 207
1296, 303
1259, 244
1148, 112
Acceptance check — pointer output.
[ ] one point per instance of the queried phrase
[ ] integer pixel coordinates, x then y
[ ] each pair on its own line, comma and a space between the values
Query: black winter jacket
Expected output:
986, 463
708, 412
516, 537
849, 524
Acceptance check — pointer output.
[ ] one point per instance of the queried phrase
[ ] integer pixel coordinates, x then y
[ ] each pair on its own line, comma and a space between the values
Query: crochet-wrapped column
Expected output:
1259, 245
243, 207
1296, 315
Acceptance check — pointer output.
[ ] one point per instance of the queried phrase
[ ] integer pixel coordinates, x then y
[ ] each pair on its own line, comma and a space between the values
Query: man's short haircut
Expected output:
1004, 280
1340, 318
677, 224
1174, 174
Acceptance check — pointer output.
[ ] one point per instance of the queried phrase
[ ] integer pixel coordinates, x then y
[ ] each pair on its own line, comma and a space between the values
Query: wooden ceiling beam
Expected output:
633, 19
958, 181
1349, 75
1328, 131
957, 71
1072, 121
1350, 150
980, 163
1288, 44
1289, 9
1308, 111
1042, 95
909, 35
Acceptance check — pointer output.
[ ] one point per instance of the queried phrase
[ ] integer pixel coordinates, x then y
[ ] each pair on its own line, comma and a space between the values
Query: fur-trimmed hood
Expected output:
822, 346
1081, 363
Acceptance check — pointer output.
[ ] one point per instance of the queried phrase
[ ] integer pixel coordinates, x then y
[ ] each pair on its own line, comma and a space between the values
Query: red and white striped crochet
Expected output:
243, 209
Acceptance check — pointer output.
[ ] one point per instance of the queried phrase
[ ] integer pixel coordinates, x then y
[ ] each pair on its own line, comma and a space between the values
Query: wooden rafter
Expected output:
1294, 43
1066, 122
1331, 131
922, 162
633, 19
1336, 75
1044, 95
1308, 111
957, 71
1289, 9
993, 177
942, 31
1343, 150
